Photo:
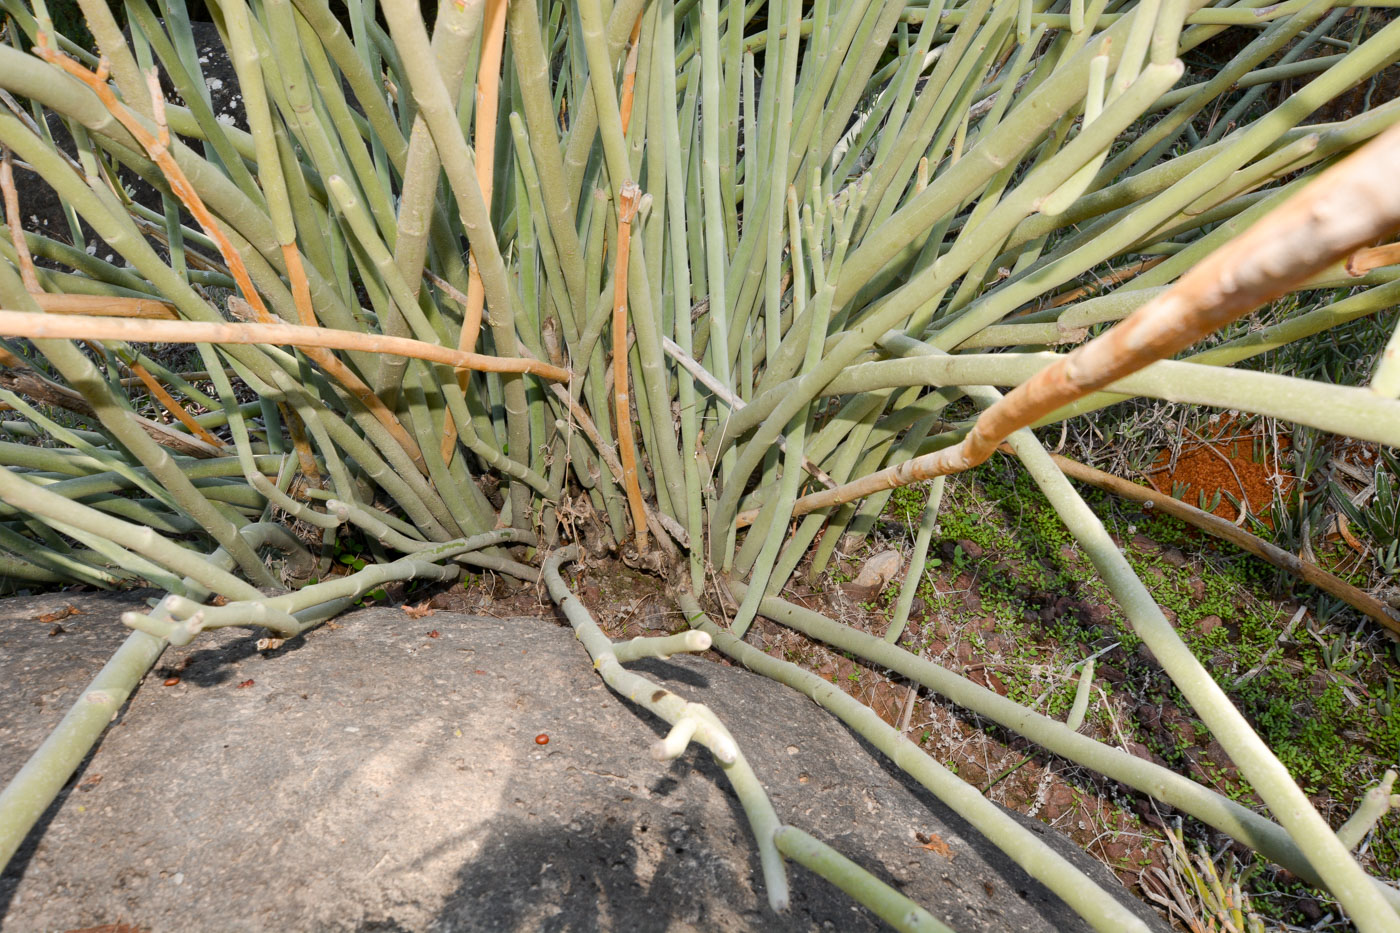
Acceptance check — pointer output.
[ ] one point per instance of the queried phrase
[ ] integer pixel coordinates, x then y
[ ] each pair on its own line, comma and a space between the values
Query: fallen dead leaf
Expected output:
246, 683
57, 614
934, 843
419, 611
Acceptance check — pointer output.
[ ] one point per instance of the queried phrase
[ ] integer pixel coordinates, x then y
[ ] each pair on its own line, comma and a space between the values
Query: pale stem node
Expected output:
677, 740
663, 648
1377, 802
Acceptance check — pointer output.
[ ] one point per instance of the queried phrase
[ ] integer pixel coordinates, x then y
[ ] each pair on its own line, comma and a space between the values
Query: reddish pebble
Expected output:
171, 681
246, 683
433, 634
541, 739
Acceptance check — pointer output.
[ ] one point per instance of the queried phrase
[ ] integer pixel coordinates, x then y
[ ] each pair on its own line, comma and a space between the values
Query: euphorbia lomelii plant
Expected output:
700, 282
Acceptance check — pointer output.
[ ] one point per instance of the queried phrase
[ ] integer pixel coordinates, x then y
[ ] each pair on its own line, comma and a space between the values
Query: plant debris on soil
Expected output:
1010, 602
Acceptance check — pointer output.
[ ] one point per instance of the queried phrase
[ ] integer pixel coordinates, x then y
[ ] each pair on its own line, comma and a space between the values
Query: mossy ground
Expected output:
1010, 601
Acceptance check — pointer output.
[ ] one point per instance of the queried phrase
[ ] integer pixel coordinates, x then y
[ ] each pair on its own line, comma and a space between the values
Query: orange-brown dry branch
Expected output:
1354, 203
175, 408
1116, 277
622, 402
629, 77
28, 275
1373, 257
149, 309
488, 83
43, 326
91, 304
1221, 528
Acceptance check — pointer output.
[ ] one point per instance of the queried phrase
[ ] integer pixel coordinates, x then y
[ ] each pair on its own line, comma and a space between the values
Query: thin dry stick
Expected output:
158, 148
306, 457
629, 76
1116, 277
43, 326
175, 408
24, 380
28, 276
301, 296
622, 402
705, 378
488, 82
1221, 528
1351, 204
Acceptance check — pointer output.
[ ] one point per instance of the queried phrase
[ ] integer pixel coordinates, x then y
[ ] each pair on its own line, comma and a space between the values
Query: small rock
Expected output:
1174, 557
1095, 613
1111, 674
1207, 624
1061, 797
1144, 543
879, 570
971, 548
1309, 908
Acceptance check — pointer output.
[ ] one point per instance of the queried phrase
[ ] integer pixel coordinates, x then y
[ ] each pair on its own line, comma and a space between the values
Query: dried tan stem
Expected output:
175, 408
622, 402
488, 83
28, 276
1348, 206
301, 296
1116, 277
1221, 528
306, 457
1373, 257
43, 326
629, 76
150, 309
301, 288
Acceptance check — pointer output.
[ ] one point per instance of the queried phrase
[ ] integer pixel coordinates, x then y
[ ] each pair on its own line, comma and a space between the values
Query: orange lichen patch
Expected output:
1230, 460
